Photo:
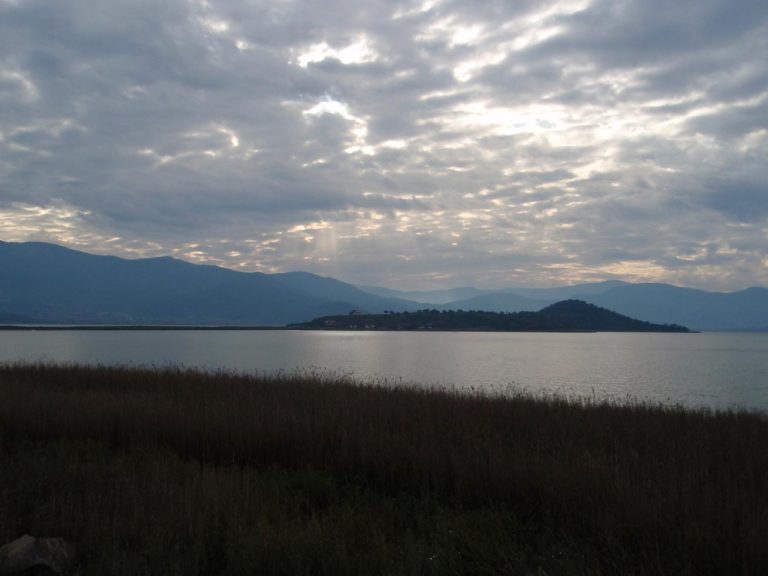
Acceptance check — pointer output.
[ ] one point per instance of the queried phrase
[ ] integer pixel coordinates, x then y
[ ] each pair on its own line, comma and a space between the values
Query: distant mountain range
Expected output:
657, 303
44, 283
428, 296
466, 293
564, 316
48, 284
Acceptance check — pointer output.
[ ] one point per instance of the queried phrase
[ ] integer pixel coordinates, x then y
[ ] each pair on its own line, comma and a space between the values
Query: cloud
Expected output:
410, 143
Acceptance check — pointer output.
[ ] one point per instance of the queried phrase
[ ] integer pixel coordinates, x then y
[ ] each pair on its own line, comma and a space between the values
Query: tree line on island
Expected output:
564, 316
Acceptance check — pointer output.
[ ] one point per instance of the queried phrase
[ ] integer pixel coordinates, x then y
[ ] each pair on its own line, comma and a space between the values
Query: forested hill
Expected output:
565, 316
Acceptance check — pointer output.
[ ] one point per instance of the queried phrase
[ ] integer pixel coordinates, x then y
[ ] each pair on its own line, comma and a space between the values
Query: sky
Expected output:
411, 144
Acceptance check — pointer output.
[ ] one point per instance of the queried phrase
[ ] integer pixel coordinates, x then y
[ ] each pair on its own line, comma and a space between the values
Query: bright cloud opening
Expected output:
358, 52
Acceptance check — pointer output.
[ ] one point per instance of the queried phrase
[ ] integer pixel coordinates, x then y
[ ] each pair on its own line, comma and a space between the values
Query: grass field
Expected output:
172, 471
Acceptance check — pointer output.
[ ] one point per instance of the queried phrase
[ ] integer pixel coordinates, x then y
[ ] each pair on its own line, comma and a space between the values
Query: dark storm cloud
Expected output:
735, 121
745, 201
481, 142
631, 33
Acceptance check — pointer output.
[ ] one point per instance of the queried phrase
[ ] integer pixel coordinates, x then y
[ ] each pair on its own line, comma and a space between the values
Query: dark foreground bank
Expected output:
179, 472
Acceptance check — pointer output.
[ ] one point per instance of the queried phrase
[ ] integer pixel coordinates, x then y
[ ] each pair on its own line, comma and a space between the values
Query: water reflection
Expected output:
712, 369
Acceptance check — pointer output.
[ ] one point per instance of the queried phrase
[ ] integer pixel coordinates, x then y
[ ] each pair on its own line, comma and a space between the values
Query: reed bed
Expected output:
175, 471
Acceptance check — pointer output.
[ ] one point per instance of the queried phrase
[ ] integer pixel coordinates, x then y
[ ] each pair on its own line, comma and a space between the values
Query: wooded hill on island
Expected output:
565, 316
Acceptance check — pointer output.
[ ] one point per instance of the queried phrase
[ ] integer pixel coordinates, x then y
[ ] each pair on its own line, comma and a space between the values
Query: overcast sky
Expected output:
407, 144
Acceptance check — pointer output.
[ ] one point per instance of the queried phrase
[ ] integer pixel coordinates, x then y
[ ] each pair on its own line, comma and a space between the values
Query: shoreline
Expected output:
160, 328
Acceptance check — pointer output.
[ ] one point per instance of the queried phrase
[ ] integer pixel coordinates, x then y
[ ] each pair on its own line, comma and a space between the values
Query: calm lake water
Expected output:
709, 369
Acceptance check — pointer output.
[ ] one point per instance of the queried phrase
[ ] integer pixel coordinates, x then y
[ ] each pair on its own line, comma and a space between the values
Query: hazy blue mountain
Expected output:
566, 292
45, 283
336, 290
498, 302
697, 309
428, 296
53, 284
11, 319
458, 296
658, 303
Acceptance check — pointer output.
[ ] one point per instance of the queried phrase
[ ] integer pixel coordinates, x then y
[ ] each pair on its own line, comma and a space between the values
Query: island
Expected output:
564, 316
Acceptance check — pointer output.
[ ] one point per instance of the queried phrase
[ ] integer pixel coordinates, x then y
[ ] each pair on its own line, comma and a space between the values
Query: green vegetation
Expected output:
178, 472
565, 316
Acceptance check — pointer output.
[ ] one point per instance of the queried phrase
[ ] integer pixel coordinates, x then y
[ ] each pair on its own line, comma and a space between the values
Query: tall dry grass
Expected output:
519, 483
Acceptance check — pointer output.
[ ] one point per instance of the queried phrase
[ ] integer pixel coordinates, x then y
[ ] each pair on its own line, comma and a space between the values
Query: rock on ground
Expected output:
39, 556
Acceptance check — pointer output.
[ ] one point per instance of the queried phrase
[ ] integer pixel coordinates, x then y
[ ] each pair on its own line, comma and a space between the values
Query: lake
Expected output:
708, 369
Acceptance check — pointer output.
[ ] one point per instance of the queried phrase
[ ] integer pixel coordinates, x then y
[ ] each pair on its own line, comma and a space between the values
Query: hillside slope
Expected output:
53, 284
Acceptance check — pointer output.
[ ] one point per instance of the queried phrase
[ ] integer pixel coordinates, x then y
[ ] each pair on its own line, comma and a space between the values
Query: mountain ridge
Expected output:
745, 309
46, 283
58, 285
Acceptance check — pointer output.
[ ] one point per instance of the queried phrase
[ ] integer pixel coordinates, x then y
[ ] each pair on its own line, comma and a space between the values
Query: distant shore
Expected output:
564, 316
129, 328
50, 327
175, 470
